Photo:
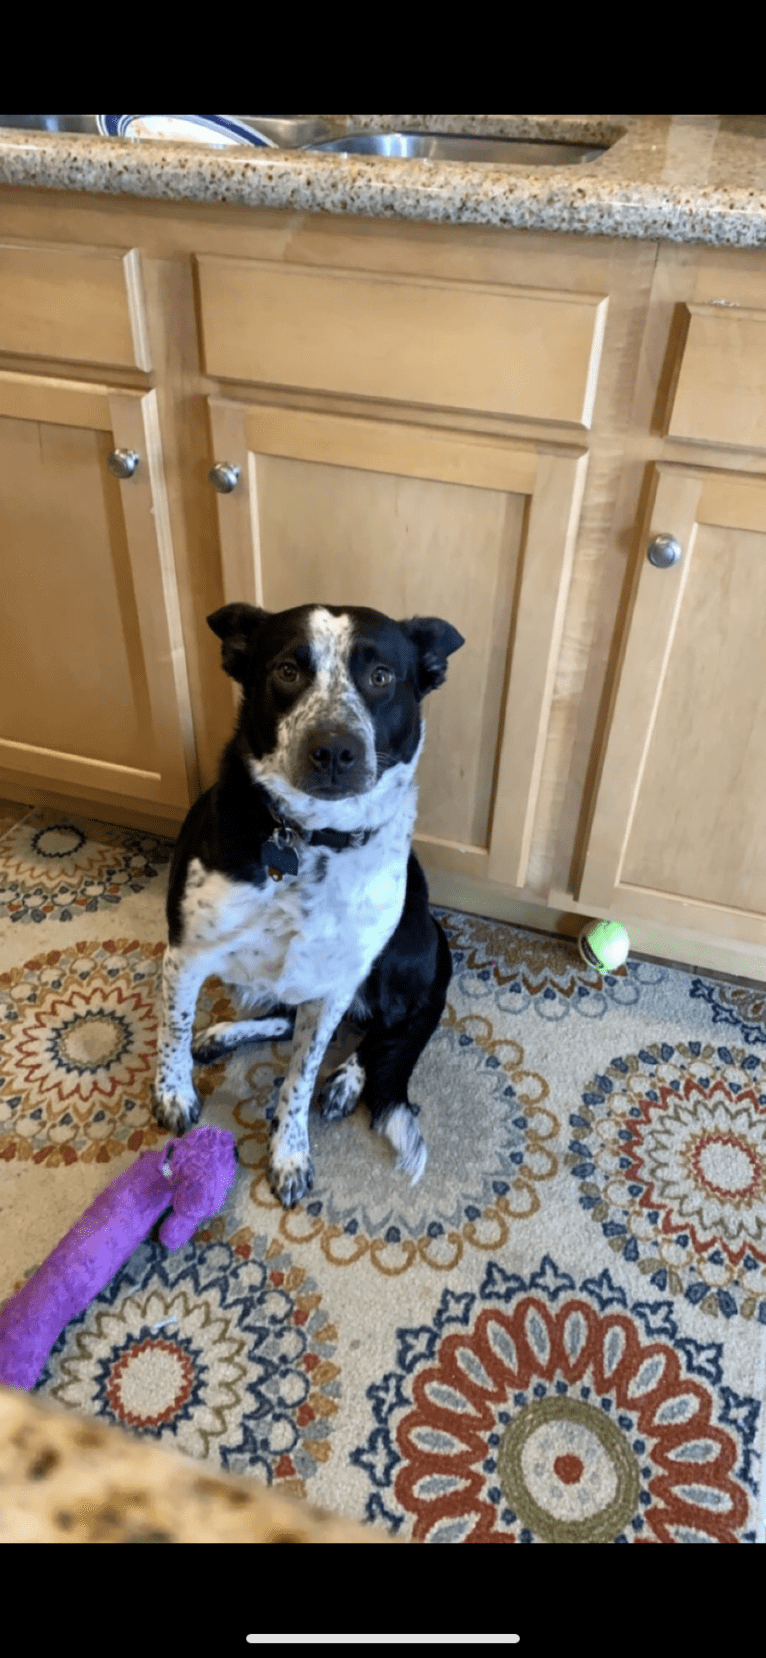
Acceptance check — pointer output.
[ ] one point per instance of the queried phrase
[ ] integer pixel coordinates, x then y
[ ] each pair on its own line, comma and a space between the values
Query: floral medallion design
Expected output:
56, 868
476, 1183
541, 1410
221, 1349
558, 1335
538, 971
78, 1050
78, 1040
669, 1152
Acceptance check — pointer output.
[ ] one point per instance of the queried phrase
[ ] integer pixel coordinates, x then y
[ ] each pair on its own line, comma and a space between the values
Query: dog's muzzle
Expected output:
334, 763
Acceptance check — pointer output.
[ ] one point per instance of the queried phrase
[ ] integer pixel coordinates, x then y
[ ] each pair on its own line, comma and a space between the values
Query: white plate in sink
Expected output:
218, 130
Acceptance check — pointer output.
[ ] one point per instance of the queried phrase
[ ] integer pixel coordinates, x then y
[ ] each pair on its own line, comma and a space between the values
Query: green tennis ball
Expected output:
604, 945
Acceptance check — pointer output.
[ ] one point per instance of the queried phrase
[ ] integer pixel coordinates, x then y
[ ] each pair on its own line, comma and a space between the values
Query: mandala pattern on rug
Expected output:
78, 1041
476, 1182
544, 1411
221, 1349
60, 868
78, 1051
669, 1152
734, 1004
526, 969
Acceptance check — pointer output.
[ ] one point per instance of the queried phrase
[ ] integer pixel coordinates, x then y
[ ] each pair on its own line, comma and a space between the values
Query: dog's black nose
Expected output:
334, 760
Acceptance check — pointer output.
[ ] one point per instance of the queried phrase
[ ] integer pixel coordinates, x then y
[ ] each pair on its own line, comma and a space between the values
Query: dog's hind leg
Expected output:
388, 1055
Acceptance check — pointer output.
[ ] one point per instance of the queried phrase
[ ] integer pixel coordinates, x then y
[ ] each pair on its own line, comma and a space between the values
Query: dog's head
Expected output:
331, 696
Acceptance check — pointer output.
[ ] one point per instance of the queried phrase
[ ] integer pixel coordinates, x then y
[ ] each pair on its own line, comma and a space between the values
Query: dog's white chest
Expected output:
306, 936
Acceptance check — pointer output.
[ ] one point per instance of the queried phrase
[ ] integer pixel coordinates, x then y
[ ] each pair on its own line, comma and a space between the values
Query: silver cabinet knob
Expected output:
123, 462
224, 477
663, 551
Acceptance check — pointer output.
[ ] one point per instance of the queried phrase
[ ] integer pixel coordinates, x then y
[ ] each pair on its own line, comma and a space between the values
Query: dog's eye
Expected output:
287, 672
381, 676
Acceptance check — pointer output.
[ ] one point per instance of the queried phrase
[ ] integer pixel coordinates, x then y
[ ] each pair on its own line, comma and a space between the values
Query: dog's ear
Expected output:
235, 625
434, 641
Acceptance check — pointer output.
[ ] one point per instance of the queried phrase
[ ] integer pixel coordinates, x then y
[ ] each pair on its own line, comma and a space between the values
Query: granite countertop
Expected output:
66, 1478
678, 178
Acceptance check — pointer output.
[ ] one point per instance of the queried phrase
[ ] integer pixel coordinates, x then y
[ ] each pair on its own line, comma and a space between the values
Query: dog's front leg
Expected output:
291, 1170
175, 1100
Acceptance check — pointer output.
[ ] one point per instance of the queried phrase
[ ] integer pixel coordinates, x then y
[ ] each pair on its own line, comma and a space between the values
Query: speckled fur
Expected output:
319, 941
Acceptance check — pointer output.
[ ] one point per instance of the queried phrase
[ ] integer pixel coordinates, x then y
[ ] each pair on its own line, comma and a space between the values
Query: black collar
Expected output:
337, 839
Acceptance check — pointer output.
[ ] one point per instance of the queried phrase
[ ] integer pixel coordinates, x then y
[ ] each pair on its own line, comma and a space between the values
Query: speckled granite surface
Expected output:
680, 178
67, 1480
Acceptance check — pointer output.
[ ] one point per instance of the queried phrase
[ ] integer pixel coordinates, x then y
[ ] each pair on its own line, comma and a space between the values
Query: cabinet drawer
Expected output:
721, 392
81, 305
461, 345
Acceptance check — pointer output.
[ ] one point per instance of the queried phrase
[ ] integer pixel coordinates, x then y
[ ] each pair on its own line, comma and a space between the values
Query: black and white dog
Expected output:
293, 879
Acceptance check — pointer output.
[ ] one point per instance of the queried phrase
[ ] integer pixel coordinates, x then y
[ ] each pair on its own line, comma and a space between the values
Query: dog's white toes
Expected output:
341, 1090
415, 1165
291, 1180
402, 1130
175, 1111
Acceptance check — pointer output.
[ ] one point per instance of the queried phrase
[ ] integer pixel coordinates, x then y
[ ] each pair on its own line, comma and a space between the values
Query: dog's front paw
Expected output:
291, 1178
174, 1110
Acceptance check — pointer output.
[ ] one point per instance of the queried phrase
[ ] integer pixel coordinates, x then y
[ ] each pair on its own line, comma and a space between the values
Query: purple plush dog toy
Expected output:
191, 1176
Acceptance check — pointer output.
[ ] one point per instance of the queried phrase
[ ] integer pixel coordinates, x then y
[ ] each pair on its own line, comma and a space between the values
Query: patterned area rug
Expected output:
558, 1336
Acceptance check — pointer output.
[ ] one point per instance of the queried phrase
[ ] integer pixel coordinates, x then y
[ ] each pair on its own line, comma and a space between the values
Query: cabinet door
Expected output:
678, 831
92, 679
415, 521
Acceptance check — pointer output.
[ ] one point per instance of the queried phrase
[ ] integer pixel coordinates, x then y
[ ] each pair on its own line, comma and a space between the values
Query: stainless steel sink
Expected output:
315, 132
52, 123
288, 132
291, 132
453, 146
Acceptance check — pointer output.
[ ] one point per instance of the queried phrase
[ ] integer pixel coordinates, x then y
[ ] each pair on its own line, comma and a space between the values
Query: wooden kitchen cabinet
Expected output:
451, 420
417, 521
677, 824
93, 686
407, 336
102, 318
412, 414
678, 832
